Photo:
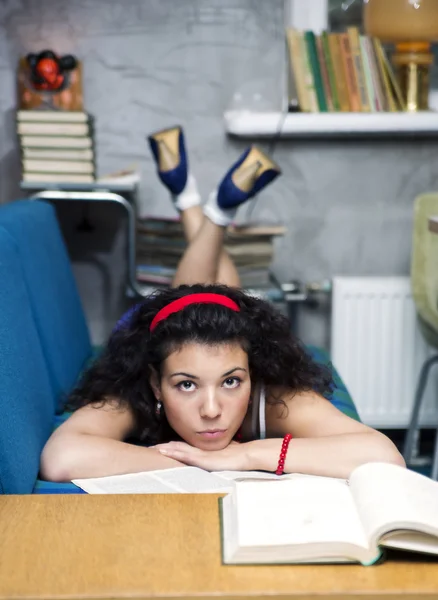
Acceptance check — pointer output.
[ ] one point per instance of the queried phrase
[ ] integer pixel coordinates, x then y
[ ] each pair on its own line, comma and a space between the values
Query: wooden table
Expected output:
164, 546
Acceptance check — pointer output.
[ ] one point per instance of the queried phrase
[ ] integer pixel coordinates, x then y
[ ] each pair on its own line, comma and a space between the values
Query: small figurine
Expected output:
49, 72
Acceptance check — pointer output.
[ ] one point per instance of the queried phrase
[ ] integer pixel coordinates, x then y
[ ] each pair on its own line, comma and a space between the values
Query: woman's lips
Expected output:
211, 434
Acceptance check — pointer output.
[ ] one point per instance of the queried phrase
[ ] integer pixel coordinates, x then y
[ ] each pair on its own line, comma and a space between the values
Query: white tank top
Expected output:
258, 416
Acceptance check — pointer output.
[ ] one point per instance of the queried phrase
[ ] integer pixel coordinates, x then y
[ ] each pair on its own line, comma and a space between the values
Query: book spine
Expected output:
392, 107
40, 128
325, 75
41, 141
377, 83
296, 62
338, 67
56, 166
372, 95
312, 52
60, 154
51, 116
330, 71
395, 87
354, 39
57, 178
308, 74
350, 75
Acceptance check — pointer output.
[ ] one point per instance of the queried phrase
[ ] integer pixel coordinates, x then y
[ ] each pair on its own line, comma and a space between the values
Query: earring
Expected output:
158, 408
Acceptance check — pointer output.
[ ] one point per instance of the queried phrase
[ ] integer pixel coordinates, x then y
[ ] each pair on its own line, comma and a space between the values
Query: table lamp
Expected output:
412, 25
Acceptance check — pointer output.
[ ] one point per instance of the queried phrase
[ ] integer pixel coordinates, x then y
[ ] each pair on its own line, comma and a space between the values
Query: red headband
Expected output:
181, 303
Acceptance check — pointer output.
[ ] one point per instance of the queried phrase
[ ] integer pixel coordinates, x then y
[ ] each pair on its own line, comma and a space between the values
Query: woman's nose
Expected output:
210, 408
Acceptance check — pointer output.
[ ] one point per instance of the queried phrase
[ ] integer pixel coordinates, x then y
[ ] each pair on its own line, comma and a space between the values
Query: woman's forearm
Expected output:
331, 456
79, 455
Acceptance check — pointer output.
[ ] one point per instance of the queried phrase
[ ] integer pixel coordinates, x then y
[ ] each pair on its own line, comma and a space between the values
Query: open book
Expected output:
182, 480
318, 519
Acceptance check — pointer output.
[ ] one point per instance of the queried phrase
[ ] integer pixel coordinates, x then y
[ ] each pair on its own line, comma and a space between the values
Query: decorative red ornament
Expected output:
49, 71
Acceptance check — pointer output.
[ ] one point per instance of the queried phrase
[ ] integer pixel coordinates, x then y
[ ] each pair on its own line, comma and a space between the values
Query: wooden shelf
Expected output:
245, 123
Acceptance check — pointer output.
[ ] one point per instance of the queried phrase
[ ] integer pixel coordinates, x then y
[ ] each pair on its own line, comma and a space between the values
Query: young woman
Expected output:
203, 374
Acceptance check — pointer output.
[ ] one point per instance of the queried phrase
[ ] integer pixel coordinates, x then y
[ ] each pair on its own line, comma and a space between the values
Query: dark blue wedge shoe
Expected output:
251, 173
170, 155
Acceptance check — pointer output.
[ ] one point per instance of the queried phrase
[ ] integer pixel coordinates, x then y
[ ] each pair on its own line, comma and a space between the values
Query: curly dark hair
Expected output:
121, 373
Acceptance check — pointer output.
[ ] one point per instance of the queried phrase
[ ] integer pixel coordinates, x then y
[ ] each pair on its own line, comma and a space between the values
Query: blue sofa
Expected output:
45, 343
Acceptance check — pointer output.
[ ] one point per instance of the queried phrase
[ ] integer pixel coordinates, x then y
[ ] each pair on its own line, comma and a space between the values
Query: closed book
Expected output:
52, 129
144, 277
339, 71
368, 75
169, 226
395, 86
324, 74
308, 73
50, 141
296, 68
250, 249
350, 73
57, 177
356, 53
307, 519
330, 71
56, 166
386, 84
258, 229
293, 100
52, 116
58, 154
380, 99
164, 275
315, 66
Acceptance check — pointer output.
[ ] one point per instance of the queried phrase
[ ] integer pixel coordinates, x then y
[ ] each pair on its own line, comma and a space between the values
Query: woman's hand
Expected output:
232, 458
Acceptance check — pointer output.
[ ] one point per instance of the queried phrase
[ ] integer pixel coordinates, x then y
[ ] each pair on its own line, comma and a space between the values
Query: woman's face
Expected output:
205, 391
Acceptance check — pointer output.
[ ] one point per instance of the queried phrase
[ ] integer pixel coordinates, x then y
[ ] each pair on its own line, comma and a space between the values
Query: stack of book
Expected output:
341, 72
161, 244
56, 146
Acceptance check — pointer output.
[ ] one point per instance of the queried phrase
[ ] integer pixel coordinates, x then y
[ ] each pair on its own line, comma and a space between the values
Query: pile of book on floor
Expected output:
161, 244
56, 146
340, 72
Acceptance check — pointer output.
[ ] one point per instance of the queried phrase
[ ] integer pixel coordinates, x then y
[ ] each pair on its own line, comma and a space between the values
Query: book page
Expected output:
248, 475
302, 510
183, 480
393, 499
238, 476
189, 480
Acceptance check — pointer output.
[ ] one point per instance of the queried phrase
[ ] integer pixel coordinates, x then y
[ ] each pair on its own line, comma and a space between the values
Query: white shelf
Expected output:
245, 123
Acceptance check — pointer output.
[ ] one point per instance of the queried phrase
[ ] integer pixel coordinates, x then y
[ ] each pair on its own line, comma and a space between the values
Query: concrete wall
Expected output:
153, 63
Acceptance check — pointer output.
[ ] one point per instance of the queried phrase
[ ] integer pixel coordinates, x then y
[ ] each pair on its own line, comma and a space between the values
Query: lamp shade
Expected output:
402, 20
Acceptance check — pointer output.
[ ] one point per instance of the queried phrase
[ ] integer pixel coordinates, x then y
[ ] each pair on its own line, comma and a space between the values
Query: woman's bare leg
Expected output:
205, 260
208, 255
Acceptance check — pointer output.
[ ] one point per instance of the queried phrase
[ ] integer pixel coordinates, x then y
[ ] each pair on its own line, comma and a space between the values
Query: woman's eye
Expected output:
186, 386
232, 382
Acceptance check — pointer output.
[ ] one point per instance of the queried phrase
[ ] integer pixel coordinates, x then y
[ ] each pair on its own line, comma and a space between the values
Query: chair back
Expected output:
52, 289
26, 397
424, 266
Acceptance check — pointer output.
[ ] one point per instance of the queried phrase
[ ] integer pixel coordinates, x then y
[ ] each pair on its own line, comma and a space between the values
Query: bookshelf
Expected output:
246, 123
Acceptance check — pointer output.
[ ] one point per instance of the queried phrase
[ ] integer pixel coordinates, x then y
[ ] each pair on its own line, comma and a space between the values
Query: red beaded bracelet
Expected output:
285, 445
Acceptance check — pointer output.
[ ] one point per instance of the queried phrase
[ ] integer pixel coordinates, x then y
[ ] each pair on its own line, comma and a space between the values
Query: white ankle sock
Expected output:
218, 215
190, 195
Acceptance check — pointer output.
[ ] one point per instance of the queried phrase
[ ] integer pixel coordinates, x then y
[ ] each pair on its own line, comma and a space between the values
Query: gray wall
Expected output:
153, 63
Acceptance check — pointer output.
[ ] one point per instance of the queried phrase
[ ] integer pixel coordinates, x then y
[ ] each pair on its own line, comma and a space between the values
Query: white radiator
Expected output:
378, 350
